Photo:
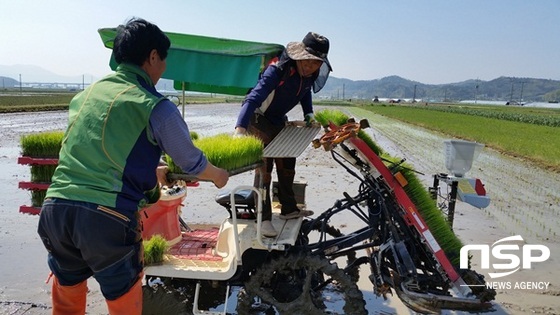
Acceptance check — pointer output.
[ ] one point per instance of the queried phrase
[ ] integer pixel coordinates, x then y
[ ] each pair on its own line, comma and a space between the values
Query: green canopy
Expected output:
209, 64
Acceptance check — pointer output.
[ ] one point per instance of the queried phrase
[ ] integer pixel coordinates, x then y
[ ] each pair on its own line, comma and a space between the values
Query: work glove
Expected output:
239, 132
309, 119
161, 173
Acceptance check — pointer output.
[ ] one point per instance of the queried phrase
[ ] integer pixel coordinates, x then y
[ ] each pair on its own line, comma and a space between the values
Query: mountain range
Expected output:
36, 74
394, 87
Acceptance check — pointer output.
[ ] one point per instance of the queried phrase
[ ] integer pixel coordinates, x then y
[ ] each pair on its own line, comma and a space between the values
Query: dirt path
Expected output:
525, 201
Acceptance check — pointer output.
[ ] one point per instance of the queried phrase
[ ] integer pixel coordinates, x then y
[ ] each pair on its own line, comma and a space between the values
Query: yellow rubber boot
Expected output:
69, 300
128, 304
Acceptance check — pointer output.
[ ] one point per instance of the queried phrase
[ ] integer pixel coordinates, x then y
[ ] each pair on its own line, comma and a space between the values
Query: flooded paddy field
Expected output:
525, 201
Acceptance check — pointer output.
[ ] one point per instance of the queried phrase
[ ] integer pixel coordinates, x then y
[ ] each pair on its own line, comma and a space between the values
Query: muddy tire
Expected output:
302, 284
351, 257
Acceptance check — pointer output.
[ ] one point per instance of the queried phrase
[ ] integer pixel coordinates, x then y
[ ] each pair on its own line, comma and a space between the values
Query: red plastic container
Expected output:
163, 217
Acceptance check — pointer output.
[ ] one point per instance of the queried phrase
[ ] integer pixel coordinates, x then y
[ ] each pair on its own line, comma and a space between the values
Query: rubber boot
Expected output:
264, 184
267, 229
286, 194
267, 207
69, 299
128, 304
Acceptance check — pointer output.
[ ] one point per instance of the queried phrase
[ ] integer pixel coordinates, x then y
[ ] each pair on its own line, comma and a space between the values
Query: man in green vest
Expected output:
108, 170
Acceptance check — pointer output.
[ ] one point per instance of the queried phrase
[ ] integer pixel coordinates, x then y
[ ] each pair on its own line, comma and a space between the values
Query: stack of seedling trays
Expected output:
40, 152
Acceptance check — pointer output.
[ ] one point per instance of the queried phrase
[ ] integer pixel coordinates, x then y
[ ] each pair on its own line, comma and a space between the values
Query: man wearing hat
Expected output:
302, 67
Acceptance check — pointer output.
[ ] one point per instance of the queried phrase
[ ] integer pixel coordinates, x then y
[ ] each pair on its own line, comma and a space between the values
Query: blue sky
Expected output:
427, 41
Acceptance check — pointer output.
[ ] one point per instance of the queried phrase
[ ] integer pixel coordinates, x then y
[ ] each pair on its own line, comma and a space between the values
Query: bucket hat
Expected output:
313, 46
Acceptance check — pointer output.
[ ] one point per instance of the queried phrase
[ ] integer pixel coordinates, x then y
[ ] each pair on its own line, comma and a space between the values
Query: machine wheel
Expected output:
330, 230
302, 284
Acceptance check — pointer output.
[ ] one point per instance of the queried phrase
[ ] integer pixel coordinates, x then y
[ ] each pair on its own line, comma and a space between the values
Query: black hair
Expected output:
136, 39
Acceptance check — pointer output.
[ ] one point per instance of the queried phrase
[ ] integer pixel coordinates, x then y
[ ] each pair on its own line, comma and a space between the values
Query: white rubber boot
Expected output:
267, 229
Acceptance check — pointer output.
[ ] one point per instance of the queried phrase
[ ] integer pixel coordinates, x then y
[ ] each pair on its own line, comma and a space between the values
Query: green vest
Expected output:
108, 154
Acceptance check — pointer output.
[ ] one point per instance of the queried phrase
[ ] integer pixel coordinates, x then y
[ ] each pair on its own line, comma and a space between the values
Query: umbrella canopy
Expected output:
209, 64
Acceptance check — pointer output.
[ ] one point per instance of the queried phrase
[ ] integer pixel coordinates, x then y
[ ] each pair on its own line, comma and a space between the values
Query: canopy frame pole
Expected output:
183, 101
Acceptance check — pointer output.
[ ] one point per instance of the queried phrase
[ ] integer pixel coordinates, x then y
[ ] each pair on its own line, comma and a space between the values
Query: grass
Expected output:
532, 115
31, 101
35, 98
536, 143
335, 103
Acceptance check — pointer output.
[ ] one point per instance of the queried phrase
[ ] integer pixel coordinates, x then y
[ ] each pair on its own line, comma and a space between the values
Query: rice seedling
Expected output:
44, 144
42, 173
325, 116
369, 141
37, 198
154, 249
226, 151
431, 214
194, 135
230, 152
